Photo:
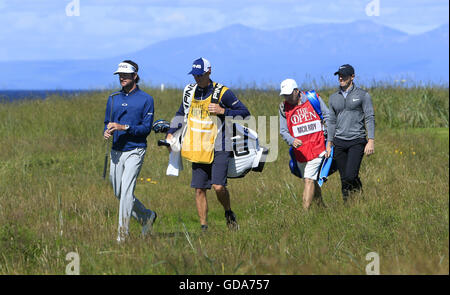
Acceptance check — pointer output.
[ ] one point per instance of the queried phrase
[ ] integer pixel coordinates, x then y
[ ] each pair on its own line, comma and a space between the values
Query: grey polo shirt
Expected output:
351, 114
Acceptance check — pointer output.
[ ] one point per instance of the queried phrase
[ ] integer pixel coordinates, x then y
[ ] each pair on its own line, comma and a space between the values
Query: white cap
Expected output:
288, 86
125, 68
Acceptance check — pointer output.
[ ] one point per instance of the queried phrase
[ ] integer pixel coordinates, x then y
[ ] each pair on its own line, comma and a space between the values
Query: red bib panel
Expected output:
304, 123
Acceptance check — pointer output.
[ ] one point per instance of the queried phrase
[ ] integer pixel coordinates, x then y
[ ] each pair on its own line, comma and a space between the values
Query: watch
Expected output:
127, 127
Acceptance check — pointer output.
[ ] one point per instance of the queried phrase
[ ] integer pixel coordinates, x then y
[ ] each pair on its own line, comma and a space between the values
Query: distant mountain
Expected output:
243, 56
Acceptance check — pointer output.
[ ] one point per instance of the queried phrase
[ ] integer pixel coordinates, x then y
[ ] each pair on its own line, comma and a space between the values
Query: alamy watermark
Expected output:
265, 138
373, 8
73, 8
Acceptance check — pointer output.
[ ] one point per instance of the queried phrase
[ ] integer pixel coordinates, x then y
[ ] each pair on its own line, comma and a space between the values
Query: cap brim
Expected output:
196, 72
337, 73
284, 93
123, 72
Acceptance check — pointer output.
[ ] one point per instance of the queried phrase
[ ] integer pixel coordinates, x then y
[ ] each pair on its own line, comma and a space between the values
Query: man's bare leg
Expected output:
223, 196
308, 193
202, 205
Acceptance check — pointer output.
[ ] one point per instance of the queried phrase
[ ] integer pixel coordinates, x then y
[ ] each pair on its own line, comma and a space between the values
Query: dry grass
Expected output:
54, 201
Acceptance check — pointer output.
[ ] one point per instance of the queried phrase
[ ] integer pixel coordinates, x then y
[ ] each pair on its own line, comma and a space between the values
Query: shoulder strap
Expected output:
314, 100
188, 94
216, 93
281, 108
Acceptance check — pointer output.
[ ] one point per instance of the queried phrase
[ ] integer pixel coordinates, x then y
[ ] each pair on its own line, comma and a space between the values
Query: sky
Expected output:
90, 29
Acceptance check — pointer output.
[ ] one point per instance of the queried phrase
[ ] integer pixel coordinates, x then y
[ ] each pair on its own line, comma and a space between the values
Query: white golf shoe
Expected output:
122, 236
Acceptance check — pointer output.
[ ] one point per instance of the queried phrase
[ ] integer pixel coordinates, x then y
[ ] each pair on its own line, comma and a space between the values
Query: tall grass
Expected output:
53, 199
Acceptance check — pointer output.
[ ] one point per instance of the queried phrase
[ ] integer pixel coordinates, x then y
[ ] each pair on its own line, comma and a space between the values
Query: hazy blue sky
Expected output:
40, 29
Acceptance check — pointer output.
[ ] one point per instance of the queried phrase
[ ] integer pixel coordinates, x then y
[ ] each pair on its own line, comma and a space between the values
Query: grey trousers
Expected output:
125, 168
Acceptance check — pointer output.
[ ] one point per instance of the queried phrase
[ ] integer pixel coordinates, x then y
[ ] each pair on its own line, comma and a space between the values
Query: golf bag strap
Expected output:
313, 98
188, 95
281, 109
189, 92
216, 93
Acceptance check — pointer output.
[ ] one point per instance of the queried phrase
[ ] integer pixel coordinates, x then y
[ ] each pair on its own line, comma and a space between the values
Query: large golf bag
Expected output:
248, 155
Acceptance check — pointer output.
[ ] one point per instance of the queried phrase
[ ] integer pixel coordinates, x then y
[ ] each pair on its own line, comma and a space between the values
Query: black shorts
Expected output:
204, 175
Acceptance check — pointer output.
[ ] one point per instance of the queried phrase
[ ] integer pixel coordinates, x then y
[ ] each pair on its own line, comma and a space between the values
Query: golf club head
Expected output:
161, 126
163, 142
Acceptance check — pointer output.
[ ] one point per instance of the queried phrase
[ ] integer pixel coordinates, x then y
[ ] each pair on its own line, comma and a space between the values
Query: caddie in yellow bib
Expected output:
204, 138
201, 128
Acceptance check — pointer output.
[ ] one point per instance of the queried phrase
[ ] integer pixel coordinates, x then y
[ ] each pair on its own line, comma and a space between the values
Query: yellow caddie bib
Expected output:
201, 131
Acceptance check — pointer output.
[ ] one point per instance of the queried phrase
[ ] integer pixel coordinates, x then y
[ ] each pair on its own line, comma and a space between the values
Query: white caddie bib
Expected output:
306, 128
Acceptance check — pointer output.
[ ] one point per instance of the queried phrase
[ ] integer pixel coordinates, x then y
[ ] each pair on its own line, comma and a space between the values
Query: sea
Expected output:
14, 95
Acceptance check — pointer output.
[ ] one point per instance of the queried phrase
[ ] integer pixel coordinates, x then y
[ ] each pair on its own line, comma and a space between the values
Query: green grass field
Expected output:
53, 199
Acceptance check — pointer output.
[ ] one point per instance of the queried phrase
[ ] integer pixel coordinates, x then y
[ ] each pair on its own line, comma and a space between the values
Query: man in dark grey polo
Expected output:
351, 120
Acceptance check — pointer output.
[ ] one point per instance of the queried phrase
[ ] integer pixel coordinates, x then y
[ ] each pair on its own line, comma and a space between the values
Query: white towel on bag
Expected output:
175, 162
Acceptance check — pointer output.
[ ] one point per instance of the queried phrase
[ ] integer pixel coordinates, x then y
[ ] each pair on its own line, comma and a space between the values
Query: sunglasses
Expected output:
126, 75
199, 76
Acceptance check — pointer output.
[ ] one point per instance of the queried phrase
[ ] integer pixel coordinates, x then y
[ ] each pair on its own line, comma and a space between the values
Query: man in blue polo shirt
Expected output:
128, 119
205, 175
